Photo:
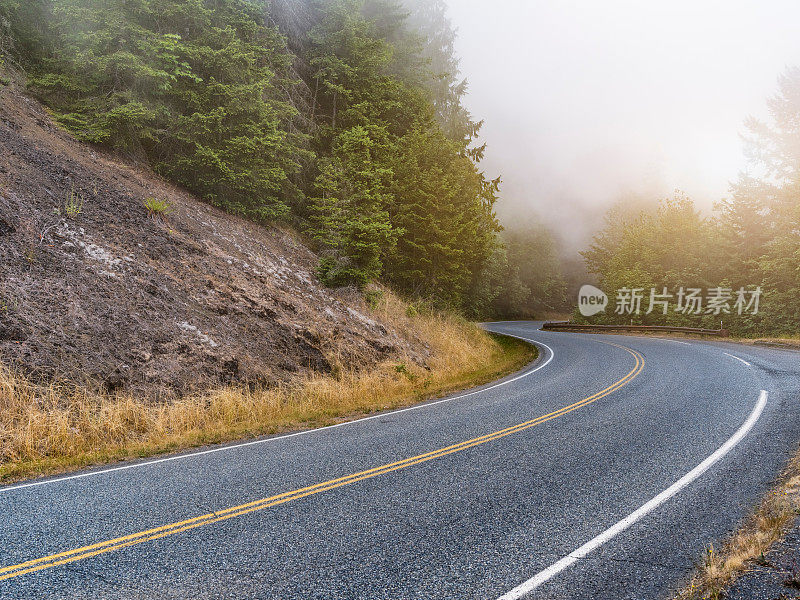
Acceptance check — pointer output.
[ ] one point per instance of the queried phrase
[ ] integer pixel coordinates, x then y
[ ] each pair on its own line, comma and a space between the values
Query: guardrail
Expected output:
569, 326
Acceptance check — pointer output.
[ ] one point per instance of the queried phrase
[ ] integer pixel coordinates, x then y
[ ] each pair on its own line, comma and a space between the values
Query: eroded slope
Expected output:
95, 288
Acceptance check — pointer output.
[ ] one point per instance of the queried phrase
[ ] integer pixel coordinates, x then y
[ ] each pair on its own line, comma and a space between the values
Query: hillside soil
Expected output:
96, 288
128, 331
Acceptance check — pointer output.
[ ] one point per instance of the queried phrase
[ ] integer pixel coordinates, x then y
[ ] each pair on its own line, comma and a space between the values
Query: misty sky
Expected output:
588, 99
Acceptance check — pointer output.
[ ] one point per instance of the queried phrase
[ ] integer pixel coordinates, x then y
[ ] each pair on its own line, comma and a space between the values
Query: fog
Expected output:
588, 100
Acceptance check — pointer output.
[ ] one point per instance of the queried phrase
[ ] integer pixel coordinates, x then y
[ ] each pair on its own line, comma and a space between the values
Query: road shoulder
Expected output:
760, 559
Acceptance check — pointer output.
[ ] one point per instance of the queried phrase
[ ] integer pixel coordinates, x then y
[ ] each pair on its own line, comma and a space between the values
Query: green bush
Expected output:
158, 208
73, 205
373, 298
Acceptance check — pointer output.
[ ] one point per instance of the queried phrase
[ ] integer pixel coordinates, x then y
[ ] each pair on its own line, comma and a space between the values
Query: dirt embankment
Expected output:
94, 288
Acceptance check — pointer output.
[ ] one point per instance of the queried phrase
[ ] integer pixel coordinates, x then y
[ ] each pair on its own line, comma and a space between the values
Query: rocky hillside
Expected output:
95, 287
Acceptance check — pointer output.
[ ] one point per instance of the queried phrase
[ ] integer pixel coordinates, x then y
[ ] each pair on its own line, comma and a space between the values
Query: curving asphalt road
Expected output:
470, 497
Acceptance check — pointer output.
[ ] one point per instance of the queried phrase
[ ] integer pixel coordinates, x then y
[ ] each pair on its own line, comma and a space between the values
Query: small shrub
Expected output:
373, 298
73, 205
402, 369
336, 273
424, 307
157, 208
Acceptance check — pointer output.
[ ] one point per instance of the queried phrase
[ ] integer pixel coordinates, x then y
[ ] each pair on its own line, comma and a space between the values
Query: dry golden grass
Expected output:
774, 515
55, 428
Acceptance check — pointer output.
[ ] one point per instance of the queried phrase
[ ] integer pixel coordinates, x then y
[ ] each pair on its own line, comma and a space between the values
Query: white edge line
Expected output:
20, 486
551, 571
739, 359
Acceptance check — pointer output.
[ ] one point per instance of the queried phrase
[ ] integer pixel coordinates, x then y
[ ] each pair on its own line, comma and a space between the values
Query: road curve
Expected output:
527, 487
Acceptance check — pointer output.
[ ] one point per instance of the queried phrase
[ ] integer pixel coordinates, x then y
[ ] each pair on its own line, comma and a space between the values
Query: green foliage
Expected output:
670, 246
429, 19
157, 208
349, 216
523, 278
676, 247
422, 306
357, 133
534, 263
396, 197
195, 86
73, 205
441, 201
20, 33
402, 369
751, 240
373, 298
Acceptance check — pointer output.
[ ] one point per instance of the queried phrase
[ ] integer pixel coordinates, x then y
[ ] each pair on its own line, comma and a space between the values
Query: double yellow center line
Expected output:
69, 556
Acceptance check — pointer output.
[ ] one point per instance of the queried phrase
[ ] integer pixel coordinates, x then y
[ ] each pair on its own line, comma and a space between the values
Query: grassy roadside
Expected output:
771, 519
45, 430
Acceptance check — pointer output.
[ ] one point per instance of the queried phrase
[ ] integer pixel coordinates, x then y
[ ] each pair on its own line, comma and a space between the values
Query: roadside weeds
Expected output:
772, 518
45, 430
